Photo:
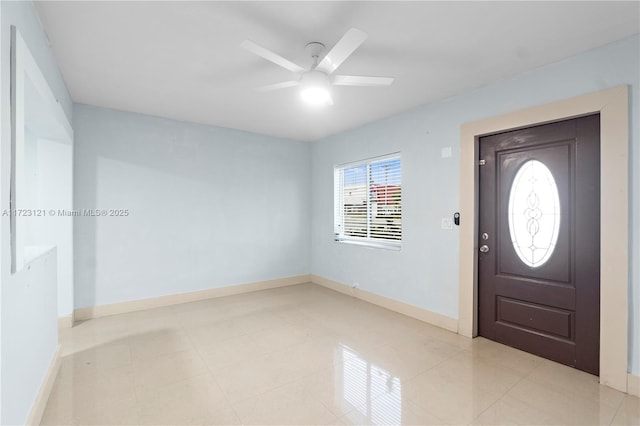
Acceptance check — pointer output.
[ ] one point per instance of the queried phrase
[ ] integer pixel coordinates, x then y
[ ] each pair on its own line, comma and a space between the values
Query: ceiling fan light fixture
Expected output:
316, 96
314, 87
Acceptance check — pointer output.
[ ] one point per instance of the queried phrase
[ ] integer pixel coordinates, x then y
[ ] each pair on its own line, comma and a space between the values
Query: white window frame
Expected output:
338, 207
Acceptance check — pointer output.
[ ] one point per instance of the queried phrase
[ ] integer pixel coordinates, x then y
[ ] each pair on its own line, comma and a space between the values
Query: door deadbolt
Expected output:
485, 236
484, 248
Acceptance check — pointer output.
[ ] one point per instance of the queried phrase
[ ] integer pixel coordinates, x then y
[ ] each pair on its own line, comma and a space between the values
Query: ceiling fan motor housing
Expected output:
315, 49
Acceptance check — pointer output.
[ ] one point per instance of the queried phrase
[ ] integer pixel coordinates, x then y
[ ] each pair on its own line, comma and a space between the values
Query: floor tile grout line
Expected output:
208, 371
428, 411
280, 386
215, 379
501, 397
380, 336
620, 405
224, 393
600, 386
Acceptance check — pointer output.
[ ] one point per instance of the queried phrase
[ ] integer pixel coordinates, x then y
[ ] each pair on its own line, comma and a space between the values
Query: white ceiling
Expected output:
183, 60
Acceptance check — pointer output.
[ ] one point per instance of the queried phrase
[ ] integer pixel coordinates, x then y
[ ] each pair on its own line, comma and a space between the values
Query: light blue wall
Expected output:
425, 272
24, 16
209, 207
29, 335
28, 317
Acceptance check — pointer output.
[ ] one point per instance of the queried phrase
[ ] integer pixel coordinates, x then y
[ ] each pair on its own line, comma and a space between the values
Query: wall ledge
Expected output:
83, 314
412, 311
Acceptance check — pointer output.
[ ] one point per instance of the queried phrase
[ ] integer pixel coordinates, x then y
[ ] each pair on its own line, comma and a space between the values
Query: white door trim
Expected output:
613, 106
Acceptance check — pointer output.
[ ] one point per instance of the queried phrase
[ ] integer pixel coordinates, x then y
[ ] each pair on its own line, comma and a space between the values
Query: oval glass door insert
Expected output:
534, 213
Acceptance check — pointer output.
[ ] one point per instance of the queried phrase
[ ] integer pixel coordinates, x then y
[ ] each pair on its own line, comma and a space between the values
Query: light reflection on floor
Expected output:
374, 392
304, 355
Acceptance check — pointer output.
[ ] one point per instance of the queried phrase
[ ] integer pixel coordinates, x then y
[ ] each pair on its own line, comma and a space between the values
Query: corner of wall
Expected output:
429, 317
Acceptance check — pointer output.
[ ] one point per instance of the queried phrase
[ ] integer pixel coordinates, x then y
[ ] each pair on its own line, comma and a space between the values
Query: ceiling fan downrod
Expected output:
315, 49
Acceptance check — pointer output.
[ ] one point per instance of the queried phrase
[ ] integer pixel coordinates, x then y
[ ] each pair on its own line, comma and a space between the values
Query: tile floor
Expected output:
308, 355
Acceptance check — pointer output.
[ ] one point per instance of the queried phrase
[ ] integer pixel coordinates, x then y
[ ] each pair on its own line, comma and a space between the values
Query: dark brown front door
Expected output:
539, 257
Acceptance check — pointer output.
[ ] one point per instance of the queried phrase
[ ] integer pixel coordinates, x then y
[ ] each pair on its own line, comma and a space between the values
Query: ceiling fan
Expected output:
317, 81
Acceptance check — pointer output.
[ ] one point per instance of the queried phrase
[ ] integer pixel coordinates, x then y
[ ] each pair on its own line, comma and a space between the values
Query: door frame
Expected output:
613, 106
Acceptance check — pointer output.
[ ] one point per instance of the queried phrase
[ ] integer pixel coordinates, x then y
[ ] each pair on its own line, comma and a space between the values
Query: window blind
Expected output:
368, 201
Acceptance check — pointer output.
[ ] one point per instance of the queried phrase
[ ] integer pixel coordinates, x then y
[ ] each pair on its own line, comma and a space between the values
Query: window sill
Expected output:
373, 244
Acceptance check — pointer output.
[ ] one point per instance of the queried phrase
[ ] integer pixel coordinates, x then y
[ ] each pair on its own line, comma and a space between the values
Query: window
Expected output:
368, 202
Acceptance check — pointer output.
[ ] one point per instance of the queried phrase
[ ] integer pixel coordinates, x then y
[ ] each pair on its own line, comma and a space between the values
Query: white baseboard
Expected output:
65, 321
633, 385
82, 314
412, 311
35, 416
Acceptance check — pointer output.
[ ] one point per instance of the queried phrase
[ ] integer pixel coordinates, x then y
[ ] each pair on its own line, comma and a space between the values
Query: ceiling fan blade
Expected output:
342, 50
271, 56
277, 86
357, 80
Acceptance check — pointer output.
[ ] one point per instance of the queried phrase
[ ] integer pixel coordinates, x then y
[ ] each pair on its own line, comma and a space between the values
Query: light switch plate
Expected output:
447, 223
445, 152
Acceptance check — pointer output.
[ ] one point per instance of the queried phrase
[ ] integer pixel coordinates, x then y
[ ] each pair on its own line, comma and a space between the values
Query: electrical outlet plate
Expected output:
447, 223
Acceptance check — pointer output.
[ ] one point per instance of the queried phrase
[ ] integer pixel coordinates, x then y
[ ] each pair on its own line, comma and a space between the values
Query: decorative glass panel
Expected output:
534, 213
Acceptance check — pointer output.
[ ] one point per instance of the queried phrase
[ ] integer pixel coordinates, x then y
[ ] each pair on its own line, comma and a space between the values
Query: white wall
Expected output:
29, 335
28, 317
208, 207
44, 177
55, 192
425, 272
2, 195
